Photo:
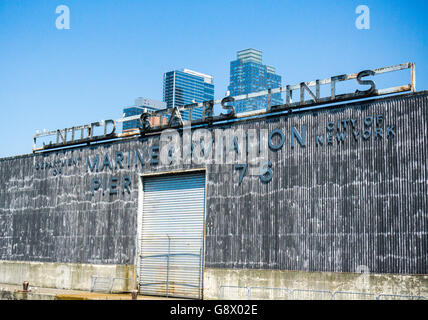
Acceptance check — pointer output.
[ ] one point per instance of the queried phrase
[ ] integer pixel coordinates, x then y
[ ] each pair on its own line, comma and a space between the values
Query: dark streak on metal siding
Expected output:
330, 208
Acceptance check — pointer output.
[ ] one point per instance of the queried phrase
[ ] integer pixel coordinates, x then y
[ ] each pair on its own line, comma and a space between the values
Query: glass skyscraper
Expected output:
183, 87
247, 75
137, 109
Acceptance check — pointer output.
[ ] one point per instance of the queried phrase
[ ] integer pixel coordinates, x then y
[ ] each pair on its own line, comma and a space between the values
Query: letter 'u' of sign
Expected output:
364, 87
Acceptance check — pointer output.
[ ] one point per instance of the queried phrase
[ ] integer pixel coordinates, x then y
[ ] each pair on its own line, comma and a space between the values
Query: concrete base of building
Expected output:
280, 284
71, 276
218, 283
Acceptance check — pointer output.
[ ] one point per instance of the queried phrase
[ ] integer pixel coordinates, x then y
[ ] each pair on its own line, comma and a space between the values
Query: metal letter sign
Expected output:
66, 137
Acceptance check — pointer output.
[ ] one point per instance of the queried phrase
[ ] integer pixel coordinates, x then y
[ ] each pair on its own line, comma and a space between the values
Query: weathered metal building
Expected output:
344, 190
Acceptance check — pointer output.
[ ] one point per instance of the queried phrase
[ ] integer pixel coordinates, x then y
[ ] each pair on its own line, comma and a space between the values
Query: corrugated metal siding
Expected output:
340, 208
172, 235
333, 208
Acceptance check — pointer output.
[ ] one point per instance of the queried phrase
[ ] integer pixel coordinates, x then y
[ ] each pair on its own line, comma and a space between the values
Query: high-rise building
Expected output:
183, 87
137, 109
247, 75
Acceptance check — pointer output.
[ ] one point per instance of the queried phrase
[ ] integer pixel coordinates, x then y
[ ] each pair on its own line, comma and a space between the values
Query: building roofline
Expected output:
207, 77
314, 109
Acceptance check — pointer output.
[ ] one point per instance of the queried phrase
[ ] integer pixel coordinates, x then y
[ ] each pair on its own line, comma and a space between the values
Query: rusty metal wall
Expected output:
334, 207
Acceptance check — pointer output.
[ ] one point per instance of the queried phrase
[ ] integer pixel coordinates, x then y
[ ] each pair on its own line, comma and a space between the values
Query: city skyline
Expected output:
184, 86
248, 74
252, 83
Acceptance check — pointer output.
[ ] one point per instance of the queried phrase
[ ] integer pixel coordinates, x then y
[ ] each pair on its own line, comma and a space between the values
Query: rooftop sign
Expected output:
171, 117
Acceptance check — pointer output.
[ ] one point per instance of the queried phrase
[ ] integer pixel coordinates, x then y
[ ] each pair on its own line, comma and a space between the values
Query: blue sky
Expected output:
118, 50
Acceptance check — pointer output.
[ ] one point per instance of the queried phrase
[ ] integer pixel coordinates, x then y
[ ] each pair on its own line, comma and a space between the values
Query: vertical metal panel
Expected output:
172, 235
357, 205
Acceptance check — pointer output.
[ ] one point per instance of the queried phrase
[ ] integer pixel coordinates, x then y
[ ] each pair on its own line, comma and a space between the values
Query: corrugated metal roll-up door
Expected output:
172, 237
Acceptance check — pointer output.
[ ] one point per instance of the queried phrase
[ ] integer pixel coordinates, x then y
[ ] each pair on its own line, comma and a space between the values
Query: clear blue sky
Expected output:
118, 50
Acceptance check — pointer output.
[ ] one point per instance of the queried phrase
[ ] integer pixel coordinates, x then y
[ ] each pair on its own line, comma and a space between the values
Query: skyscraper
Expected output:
137, 109
248, 74
182, 87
